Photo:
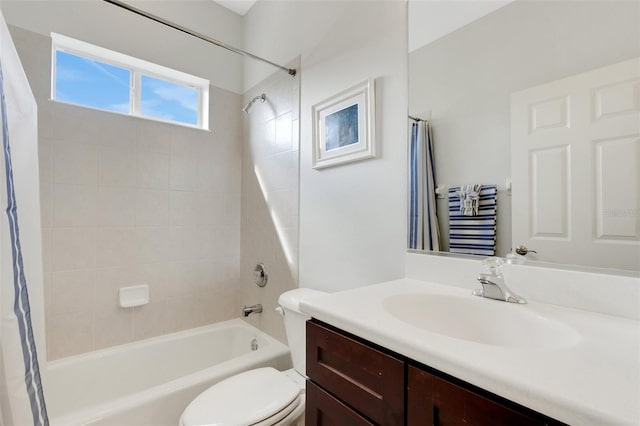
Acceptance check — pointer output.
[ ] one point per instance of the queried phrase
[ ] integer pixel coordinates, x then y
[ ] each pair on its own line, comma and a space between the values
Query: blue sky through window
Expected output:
169, 101
92, 83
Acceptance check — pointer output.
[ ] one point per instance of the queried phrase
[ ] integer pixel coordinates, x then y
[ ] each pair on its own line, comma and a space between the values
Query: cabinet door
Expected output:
365, 378
322, 409
432, 400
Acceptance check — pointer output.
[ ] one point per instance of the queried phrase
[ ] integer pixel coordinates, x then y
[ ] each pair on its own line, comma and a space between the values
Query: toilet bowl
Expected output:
262, 396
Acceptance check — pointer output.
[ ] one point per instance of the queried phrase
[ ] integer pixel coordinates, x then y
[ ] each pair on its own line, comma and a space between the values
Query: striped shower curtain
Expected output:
423, 221
21, 277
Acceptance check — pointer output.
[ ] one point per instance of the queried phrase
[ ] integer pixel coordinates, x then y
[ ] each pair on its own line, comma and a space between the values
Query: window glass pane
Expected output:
169, 101
87, 82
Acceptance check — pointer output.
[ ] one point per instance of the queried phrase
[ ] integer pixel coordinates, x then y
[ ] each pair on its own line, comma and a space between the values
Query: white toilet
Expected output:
264, 396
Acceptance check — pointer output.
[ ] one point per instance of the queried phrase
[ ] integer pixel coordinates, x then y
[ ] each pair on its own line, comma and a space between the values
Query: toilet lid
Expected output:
243, 399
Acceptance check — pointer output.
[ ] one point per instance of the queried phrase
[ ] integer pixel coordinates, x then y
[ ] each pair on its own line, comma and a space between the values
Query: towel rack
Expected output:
442, 191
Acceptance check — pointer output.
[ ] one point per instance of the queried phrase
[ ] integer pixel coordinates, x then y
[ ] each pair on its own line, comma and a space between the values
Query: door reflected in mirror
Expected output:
538, 94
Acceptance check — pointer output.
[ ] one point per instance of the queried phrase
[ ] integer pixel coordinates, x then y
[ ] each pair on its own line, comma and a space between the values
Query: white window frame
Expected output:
138, 67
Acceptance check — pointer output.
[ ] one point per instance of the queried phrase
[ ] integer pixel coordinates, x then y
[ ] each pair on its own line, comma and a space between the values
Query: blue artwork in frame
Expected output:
341, 128
344, 127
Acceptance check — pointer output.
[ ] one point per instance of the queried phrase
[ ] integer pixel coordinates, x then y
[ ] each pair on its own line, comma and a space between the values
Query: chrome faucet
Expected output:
247, 310
493, 285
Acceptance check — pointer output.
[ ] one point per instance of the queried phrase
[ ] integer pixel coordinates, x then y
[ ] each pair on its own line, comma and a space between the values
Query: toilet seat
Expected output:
259, 397
276, 419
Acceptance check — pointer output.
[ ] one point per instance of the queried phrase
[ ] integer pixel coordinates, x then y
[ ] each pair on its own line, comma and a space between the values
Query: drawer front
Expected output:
322, 409
370, 381
435, 401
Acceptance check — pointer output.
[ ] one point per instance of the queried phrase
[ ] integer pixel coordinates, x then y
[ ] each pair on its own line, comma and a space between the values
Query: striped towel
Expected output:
473, 234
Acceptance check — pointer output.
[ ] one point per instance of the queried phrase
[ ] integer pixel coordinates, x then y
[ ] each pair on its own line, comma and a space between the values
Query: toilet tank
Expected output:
294, 324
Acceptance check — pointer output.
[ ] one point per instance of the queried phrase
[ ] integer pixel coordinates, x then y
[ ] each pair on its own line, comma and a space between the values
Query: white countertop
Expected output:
594, 380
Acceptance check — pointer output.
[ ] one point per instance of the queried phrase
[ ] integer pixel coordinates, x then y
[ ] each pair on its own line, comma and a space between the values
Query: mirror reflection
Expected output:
532, 110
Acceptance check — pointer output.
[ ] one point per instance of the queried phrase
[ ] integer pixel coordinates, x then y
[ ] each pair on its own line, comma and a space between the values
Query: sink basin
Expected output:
481, 320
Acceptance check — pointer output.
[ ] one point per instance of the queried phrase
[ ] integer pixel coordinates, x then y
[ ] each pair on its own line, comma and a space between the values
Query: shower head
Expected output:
260, 98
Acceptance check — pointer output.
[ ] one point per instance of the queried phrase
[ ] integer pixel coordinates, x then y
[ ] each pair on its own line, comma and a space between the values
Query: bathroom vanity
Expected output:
414, 352
355, 382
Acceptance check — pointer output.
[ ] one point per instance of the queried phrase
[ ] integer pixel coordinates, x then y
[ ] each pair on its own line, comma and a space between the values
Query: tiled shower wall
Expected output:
128, 201
270, 197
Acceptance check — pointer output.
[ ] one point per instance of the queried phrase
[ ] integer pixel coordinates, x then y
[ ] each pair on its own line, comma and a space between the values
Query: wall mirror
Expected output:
538, 102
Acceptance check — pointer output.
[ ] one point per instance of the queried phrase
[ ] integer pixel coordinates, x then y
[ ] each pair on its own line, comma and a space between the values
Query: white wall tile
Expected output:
114, 130
283, 140
156, 276
268, 146
150, 320
113, 327
75, 163
219, 306
73, 291
269, 225
153, 169
48, 294
185, 312
183, 208
185, 242
116, 206
116, 166
211, 207
73, 248
183, 174
153, 243
69, 334
75, 205
45, 160
152, 207
154, 137
46, 205
116, 247
217, 241
184, 278
47, 250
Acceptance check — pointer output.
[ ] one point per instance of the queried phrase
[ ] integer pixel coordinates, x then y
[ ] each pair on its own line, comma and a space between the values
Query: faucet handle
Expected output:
492, 265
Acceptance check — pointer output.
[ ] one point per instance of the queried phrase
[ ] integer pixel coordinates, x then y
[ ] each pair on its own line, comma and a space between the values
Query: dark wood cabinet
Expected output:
432, 400
363, 377
354, 382
324, 409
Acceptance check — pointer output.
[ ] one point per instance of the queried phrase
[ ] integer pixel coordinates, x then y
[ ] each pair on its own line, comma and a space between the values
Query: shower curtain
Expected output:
424, 233
21, 307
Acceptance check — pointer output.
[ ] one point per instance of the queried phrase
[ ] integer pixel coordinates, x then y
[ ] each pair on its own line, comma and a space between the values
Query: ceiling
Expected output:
238, 6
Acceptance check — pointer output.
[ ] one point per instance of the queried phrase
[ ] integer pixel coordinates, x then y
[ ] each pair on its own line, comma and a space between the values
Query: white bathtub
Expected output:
150, 382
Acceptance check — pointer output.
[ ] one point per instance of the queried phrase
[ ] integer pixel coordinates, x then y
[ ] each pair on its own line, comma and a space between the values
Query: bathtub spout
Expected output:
252, 309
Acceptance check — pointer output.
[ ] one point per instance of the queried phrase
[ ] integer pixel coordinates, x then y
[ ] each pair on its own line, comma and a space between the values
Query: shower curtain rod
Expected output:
290, 71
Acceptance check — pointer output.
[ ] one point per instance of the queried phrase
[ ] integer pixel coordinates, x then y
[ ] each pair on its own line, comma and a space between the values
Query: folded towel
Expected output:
476, 234
469, 199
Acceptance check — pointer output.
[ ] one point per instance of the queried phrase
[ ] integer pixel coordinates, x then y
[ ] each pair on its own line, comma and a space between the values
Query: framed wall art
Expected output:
344, 127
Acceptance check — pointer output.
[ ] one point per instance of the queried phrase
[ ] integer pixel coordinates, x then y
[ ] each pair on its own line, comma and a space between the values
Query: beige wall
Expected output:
128, 201
270, 197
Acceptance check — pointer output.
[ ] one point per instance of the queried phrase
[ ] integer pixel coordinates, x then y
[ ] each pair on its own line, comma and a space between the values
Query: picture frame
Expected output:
344, 127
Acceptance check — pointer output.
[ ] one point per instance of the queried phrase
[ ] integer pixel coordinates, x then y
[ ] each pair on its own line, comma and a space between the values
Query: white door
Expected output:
575, 164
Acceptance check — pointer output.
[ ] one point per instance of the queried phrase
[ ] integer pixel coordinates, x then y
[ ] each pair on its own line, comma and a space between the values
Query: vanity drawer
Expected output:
364, 378
322, 409
435, 401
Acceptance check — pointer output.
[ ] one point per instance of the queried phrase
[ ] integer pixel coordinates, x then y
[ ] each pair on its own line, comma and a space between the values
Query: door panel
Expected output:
575, 155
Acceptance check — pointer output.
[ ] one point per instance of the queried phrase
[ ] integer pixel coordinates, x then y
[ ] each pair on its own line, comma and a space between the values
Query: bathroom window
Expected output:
91, 76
